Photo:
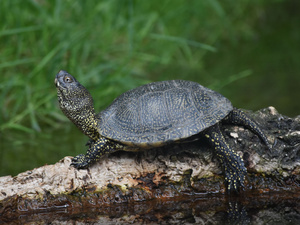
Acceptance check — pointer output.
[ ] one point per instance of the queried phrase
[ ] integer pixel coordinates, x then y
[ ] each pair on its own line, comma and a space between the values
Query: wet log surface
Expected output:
158, 175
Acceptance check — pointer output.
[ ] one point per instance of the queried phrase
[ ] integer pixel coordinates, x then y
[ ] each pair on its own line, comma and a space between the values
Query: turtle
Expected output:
154, 115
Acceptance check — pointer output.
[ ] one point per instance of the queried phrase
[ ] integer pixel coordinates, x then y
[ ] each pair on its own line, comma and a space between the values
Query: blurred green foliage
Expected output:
111, 46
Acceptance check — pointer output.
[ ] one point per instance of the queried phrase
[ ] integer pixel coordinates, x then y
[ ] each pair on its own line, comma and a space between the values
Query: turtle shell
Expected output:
162, 112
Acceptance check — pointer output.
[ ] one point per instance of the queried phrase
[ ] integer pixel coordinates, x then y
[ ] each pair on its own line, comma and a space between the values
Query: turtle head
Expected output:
76, 103
65, 82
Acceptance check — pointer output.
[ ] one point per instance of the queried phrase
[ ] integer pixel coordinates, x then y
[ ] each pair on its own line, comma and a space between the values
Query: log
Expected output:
172, 171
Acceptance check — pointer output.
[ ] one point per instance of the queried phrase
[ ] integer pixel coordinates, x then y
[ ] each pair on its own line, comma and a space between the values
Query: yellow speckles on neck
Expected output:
87, 123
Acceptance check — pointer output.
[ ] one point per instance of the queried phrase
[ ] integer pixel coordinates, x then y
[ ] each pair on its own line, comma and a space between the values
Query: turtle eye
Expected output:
68, 79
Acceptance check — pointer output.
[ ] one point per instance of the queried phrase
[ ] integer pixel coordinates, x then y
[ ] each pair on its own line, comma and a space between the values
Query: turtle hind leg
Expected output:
96, 150
238, 117
231, 162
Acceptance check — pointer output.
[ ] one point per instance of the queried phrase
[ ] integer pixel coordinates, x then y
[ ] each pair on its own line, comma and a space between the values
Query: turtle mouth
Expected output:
56, 82
60, 90
59, 85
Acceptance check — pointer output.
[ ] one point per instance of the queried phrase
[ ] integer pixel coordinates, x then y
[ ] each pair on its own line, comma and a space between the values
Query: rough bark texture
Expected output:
172, 171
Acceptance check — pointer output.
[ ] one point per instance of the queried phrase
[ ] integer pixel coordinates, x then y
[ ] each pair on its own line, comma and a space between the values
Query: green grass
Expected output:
110, 46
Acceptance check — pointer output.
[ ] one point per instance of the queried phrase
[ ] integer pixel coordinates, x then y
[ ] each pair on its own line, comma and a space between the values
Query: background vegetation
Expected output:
248, 50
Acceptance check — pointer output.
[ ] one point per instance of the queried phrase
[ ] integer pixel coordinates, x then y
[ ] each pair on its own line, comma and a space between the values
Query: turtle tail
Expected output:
238, 117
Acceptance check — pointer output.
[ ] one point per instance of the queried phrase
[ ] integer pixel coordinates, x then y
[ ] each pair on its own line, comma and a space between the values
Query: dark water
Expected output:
263, 209
21, 151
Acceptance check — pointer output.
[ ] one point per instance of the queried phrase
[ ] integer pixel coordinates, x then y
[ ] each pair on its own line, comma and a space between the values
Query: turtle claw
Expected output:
90, 143
79, 162
235, 179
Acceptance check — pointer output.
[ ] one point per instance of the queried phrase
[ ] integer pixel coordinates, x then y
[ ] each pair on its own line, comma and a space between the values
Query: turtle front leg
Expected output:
96, 149
231, 162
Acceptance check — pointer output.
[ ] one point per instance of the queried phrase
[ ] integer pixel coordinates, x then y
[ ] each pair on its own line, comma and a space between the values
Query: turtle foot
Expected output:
80, 162
235, 178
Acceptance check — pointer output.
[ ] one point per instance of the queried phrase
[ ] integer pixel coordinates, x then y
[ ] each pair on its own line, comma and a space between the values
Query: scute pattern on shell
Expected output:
160, 112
